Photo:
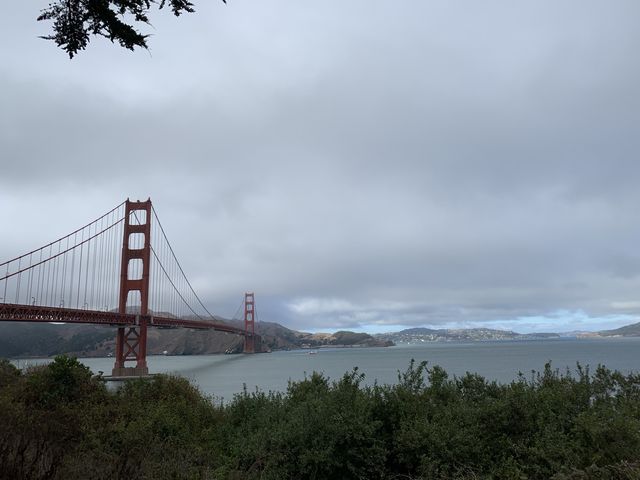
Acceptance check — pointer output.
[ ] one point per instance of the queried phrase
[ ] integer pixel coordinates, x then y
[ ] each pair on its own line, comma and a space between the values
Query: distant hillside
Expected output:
419, 335
341, 339
632, 330
277, 337
44, 340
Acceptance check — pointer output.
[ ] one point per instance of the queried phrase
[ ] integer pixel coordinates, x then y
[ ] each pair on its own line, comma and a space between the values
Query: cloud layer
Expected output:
358, 164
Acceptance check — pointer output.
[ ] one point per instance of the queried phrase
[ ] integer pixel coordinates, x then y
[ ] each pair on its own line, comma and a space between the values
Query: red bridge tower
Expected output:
252, 343
131, 342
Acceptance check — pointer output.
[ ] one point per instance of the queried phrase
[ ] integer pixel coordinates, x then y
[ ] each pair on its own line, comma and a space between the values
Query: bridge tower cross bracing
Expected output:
131, 342
249, 324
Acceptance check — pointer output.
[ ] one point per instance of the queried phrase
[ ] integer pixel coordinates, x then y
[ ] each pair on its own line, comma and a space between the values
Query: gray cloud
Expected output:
354, 164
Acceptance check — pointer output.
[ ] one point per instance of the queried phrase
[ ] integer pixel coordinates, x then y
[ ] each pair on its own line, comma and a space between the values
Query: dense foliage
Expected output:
59, 422
75, 21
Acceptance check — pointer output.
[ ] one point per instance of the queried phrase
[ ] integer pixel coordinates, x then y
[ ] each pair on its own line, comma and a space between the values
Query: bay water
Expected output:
222, 376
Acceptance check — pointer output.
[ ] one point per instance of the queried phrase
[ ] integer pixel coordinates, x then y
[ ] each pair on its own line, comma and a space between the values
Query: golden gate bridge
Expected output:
117, 271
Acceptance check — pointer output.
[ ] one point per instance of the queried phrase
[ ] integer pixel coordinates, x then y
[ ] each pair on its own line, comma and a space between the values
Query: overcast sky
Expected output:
358, 164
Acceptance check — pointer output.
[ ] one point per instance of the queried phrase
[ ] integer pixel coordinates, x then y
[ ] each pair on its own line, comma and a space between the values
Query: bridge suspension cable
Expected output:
82, 270
115, 270
171, 292
239, 313
71, 271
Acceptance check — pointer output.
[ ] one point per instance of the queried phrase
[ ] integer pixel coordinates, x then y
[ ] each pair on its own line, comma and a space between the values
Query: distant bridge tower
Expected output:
131, 342
252, 343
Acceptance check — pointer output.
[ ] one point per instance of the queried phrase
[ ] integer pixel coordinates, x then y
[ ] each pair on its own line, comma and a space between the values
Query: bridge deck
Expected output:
33, 313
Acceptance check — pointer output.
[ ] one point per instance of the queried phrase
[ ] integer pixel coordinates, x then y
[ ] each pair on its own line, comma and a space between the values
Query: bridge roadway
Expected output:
33, 313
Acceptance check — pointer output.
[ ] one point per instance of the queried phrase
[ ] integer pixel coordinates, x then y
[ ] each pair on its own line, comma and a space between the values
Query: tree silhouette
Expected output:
75, 21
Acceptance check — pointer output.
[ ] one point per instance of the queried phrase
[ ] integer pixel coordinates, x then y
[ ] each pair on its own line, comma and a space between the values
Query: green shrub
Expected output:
58, 422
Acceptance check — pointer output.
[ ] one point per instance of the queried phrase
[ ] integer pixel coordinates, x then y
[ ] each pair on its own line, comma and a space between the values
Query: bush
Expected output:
59, 422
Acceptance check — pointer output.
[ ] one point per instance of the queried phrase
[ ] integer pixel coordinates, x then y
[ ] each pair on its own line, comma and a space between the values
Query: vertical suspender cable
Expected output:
86, 274
18, 283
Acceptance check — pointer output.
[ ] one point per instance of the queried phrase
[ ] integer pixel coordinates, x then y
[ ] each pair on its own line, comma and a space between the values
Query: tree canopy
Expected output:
75, 21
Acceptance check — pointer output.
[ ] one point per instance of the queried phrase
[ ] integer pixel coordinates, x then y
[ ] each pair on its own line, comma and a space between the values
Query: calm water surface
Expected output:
224, 375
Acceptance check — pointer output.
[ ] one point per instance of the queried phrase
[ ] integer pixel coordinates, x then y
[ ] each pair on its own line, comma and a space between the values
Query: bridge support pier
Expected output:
131, 342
